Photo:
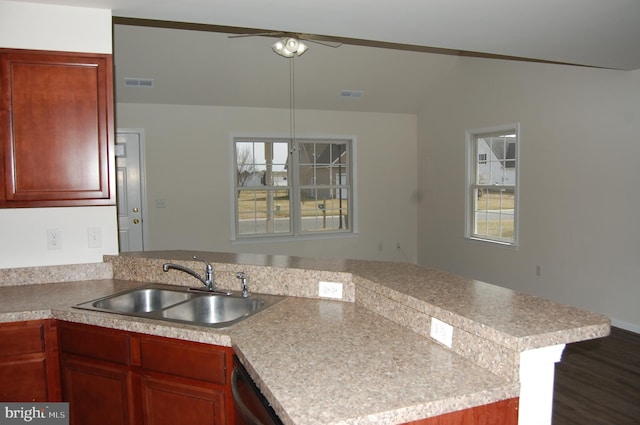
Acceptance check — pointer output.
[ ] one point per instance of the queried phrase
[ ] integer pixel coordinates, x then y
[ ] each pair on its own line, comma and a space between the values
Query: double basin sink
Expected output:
182, 305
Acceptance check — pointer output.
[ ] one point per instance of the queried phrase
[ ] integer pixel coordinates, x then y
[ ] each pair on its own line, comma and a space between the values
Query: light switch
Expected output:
95, 237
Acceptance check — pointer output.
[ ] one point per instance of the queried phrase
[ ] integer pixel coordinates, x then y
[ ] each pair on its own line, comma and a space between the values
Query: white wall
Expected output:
23, 231
188, 165
48, 27
579, 200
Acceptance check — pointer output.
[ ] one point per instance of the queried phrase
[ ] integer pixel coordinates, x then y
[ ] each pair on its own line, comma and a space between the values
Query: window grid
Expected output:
493, 185
304, 193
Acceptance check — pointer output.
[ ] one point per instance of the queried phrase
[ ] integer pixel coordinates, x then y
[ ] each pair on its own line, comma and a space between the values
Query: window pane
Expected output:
328, 212
494, 213
496, 160
263, 212
324, 163
261, 163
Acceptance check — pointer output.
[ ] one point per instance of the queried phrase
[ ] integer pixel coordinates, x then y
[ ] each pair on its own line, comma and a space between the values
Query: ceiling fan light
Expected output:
301, 48
292, 44
278, 46
288, 47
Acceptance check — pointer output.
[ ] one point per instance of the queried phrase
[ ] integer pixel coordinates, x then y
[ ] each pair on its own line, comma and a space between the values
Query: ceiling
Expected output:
599, 33
206, 67
209, 68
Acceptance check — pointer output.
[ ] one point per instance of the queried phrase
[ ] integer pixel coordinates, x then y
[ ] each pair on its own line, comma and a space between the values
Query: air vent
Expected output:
139, 82
351, 93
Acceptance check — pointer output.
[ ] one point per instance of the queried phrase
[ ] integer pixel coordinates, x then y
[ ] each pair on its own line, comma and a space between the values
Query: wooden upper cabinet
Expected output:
56, 129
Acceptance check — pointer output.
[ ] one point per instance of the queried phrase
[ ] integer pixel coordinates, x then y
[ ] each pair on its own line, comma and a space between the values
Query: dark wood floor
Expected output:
598, 382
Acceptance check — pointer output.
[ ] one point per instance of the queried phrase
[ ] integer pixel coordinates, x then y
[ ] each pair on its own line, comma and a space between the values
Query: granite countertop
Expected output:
368, 358
317, 361
328, 362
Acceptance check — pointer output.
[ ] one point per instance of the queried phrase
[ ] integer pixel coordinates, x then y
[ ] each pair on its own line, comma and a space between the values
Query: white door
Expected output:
129, 191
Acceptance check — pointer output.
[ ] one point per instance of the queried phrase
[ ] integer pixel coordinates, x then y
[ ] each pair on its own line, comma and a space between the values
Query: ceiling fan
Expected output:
290, 43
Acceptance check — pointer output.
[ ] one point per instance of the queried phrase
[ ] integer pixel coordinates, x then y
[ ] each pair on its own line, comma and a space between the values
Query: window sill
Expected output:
292, 238
491, 242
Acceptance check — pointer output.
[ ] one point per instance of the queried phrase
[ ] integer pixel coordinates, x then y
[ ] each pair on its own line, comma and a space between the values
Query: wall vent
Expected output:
351, 93
139, 82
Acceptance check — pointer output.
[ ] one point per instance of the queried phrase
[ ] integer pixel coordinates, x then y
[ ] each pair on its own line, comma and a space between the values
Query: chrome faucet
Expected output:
208, 280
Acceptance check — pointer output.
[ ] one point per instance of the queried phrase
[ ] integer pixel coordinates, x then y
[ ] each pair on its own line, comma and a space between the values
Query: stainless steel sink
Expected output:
213, 309
141, 300
182, 305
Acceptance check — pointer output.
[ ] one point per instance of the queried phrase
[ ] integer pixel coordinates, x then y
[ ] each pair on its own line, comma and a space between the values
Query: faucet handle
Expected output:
207, 264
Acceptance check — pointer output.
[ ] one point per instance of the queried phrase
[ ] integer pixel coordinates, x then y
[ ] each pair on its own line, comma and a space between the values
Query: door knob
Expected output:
136, 221
135, 209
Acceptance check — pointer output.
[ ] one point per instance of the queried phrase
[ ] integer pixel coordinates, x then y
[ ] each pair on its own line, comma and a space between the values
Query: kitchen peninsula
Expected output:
367, 358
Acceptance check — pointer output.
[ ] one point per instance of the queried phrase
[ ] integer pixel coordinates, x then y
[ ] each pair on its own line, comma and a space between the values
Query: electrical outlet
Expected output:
54, 239
441, 332
330, 290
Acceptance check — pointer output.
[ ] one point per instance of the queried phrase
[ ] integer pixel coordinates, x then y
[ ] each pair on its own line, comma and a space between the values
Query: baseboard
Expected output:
632, 327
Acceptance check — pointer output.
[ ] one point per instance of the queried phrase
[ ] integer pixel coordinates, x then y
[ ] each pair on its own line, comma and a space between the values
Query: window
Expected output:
285, 188
492, 184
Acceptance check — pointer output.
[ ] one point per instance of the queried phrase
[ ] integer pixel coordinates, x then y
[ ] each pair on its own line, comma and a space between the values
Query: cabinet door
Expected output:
98, 393
28, 362
167, 402
56, 129
23, 379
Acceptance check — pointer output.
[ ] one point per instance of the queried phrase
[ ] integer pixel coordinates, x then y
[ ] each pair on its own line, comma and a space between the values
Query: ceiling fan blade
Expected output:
325, 42
259, 34
319, 39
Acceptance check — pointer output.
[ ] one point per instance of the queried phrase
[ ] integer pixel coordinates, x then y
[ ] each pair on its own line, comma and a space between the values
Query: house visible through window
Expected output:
284, 188
492, 182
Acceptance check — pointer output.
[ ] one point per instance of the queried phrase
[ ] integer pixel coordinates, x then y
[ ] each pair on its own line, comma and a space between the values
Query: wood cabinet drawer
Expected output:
185, 359
98, 343
21, 338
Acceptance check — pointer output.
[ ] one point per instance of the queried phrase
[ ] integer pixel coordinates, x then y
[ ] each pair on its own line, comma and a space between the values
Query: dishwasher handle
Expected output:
242, 409
251, 406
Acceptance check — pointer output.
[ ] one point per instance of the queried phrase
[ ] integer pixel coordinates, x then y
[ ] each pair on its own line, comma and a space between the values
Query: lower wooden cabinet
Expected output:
119, 377
197, 404
29, 361
123, 378
503, 412
98, 393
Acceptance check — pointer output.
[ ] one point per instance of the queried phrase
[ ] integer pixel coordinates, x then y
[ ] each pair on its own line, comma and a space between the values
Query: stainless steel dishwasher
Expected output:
251, 406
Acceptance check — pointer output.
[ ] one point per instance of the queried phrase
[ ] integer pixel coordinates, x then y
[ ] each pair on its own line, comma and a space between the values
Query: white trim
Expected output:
537, 372
294, 238
470, 158
631, 327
